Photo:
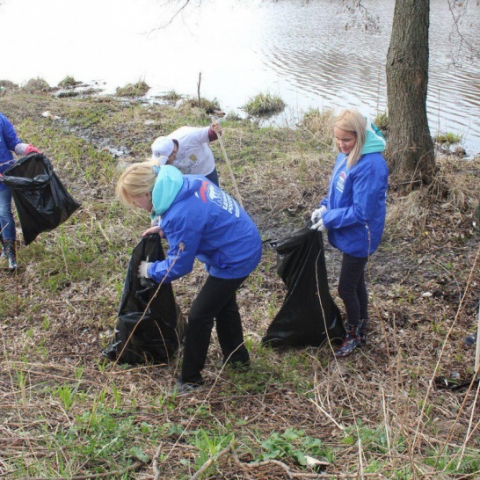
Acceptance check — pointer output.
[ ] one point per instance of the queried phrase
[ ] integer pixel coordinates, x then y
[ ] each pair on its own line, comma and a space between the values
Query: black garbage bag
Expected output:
42, 201
308, 316
150, 325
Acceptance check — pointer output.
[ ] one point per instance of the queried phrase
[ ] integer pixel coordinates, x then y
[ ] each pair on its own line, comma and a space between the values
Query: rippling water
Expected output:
314, 54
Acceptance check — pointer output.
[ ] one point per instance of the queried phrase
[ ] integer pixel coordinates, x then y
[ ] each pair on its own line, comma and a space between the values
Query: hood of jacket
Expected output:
374, 141
167, 185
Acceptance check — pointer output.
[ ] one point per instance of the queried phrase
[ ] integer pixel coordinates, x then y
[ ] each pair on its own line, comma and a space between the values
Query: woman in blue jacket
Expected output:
353, 214
9, 142
201, 221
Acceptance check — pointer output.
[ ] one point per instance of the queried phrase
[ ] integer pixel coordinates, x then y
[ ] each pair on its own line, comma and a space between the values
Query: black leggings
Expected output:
213, 177
217, 301
352, 288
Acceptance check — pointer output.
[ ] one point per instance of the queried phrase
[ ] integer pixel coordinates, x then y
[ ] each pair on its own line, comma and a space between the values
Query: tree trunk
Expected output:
410, 147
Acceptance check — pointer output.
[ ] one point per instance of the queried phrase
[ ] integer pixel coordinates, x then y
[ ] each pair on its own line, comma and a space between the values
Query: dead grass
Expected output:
137, 89
378, 414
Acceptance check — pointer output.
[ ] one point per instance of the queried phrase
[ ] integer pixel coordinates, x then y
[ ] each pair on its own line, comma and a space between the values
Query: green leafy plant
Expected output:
208, 446
295, 445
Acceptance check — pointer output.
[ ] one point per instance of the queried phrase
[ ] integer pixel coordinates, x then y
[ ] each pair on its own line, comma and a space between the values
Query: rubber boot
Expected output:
11, 253
363, 331
2, 246
351, 341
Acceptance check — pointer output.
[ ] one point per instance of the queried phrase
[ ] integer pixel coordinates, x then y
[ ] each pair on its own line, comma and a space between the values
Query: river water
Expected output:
313, 54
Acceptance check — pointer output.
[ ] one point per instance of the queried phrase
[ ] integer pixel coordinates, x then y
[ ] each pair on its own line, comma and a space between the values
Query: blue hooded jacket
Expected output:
204, 222
8, 142
356, 201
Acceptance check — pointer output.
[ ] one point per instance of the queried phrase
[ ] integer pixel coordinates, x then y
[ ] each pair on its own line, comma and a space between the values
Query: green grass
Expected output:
68, 412
264, 105
448, 138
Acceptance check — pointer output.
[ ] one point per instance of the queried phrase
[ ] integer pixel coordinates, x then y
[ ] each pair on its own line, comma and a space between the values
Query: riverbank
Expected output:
384, 411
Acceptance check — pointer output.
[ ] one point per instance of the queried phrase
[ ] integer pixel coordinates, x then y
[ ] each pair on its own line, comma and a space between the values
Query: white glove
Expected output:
143, 269
317, 214
319, 226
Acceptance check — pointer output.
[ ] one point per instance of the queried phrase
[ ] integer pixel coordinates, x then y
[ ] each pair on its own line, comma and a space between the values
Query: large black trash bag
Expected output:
150, 326
308, 316
42, 201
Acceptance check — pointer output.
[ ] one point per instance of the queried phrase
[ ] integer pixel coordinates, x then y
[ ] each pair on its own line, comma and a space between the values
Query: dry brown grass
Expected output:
381, 413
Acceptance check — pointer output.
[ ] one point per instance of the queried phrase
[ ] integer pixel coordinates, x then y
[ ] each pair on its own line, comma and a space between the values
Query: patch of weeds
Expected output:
97, 437
209, 445
373, 440
381, 121
448, 138
172, 95
295, 445
133, 89
320, 124
264, 105
67, 396
454, 461
68, 82
210, 106
233, 117
35, 85
7, 85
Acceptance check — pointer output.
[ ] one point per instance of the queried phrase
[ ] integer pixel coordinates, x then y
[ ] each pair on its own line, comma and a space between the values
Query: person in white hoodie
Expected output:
187, 149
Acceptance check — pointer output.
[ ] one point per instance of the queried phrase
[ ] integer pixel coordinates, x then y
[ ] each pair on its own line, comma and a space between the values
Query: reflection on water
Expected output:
311, 53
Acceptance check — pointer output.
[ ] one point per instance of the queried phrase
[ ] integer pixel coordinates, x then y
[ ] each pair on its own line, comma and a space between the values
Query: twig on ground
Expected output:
215, 457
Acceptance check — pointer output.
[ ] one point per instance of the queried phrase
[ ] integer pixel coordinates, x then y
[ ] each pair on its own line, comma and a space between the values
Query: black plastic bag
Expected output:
150, 326
42, 201
308, 316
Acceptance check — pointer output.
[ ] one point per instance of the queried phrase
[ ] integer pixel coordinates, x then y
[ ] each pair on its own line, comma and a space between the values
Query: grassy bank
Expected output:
381, 413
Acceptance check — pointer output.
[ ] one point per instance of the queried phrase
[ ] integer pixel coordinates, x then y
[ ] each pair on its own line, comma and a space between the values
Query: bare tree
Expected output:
410, 147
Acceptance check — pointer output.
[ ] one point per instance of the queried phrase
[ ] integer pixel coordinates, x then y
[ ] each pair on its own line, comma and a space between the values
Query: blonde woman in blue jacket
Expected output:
353, 214
200, 221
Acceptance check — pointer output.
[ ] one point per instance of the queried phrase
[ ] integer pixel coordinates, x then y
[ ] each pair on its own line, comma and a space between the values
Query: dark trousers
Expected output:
217, 301
213, 177
352, 288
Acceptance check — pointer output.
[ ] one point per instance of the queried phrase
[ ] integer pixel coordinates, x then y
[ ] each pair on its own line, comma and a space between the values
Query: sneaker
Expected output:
12, 264
10, 252
351, 341
181, 389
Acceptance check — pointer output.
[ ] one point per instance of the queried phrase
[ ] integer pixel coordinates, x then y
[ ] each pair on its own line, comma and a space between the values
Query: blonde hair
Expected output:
353, 121
137, 179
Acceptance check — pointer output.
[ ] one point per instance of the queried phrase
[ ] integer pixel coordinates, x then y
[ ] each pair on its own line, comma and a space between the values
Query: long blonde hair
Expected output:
353, 121
137, 179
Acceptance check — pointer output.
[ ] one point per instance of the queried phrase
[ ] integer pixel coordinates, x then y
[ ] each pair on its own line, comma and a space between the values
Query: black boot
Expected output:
11, 253
2, 246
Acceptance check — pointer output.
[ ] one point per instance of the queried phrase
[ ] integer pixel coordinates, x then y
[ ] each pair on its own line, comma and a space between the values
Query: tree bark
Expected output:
410, 147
